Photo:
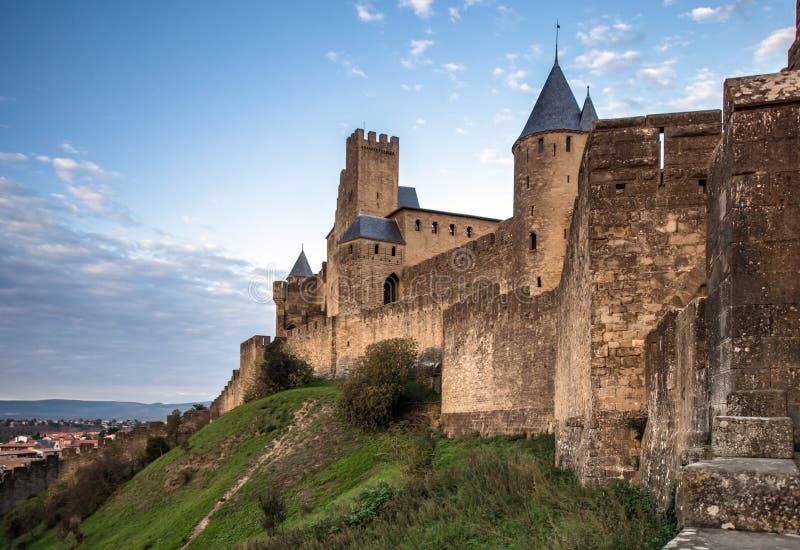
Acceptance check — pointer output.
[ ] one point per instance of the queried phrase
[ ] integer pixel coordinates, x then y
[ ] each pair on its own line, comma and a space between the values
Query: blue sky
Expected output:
161, 162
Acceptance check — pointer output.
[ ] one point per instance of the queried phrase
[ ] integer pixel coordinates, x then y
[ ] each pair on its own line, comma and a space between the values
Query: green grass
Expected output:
499, 492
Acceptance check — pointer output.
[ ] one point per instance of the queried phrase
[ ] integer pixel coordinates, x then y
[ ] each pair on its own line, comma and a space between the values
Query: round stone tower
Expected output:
547, 158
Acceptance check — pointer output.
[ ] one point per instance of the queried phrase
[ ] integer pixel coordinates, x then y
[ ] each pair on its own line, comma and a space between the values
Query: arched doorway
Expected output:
390, 286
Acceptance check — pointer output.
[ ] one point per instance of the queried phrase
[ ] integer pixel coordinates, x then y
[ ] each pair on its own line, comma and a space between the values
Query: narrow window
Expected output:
416, 225
702, 185
569, 144
435, 227
554, 149
527, 182
390, 289
661, 148
452, 229
619, 187
377, 195
565, 232
567, 179
533, 241
539, 282
394, 251
541, 145
469, 231
532, 210
376, 249
351, 248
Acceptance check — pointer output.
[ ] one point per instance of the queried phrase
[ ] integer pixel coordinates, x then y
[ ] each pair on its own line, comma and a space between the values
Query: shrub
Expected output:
370, 395
419, 453
371, 503
156, 446
280, 370
274, 510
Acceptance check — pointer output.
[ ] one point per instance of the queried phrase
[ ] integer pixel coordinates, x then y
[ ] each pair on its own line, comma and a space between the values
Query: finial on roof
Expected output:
587, 90
557, 27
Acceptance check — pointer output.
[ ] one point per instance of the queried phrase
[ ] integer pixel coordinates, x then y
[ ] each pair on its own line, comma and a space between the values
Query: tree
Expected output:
173, 427
370, 395
156, 446
199, 407
280, 370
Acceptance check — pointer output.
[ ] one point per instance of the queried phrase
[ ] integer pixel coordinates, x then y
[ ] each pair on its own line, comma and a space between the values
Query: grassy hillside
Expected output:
398, 488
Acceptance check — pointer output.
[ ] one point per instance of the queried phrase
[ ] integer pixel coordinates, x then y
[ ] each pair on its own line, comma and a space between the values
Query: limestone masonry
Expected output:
642, 303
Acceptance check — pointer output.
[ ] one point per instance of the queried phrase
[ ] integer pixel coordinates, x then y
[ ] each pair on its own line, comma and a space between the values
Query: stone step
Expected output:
753, 437
750, 494
721, 539
757, 403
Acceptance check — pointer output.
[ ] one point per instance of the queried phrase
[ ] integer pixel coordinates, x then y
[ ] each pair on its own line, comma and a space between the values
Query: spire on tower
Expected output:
557, 27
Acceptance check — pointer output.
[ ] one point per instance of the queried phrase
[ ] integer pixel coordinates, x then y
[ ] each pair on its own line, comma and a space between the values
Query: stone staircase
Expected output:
752, 483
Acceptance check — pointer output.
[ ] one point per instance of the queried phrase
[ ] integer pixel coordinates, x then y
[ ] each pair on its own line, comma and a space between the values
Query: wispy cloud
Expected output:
775, 45
344, 61
74, 303
13, 157
721, 13
419, 123
660, 74
491, 156
606, 35
67, 147
368, 14
422, 8
603, 61
703, 91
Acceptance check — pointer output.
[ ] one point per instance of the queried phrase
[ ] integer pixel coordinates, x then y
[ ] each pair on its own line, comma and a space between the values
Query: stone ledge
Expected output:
757, 403
722, 539
753, 437
752, 494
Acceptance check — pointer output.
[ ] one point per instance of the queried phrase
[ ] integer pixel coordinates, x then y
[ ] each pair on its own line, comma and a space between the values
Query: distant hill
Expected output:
55, 409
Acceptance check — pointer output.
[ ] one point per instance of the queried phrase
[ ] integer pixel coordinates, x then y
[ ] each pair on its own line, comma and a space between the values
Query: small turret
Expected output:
301, 267
588, 114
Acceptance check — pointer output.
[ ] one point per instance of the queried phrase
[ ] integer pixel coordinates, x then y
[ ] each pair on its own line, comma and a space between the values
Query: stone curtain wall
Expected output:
497, 375
645, 256
753, 242
677, 384
243, 379
314, 343
20, 483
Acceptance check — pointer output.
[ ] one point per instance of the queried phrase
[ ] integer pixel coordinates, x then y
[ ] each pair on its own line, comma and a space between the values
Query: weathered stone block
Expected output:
757, 403
753, 437
723, 539
753, 494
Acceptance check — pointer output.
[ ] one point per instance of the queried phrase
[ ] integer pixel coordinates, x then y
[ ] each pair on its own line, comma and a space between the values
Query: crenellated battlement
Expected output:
374, 142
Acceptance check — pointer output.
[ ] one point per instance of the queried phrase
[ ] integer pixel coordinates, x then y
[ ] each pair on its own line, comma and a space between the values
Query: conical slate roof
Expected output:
588, 114
556, 107
301, 267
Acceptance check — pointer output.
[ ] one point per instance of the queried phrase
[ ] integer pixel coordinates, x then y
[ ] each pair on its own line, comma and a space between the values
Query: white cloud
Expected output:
343, 59
454, 67
13, 157
498, 71
455, 15
702, 14
68, 148
91, 198
460, 131
503, 116
703, 91
453, 97
775, 45
68, 169
422, 8
602, 61
606, 35
419, 123
411, 87
490, 156
367, 14
514, 80
661, 74
418, 47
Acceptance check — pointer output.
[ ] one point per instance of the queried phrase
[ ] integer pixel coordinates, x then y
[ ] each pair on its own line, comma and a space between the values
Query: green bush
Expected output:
274, 510
371, 503
156, 446
370, 395
280, 370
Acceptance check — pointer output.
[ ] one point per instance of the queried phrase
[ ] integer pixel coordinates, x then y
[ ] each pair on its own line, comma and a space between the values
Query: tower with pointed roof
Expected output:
547, 158
299, 298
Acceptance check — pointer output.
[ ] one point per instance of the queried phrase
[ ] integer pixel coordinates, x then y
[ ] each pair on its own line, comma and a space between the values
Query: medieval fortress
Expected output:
642, 303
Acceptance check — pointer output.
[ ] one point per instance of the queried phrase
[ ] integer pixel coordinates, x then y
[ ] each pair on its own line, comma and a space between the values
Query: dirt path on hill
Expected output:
275, 450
